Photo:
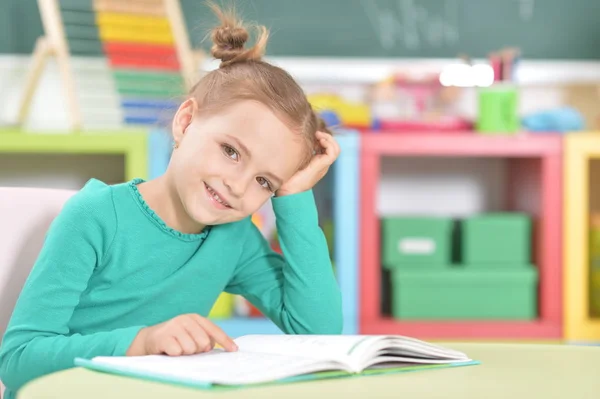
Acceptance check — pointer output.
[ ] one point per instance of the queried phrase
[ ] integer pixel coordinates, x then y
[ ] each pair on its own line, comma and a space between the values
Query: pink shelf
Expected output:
463, 329
460, 144
534, 172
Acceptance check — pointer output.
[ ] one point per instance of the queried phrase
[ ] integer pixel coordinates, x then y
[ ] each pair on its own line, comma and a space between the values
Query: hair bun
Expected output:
230, 37
228, 42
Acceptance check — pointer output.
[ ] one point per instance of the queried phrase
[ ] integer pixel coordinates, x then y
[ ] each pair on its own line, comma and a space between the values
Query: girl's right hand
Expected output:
182, 335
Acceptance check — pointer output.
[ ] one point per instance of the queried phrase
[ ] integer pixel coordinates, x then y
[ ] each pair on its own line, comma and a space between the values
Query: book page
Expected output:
219, 367
355, 351
404, 346
342, 348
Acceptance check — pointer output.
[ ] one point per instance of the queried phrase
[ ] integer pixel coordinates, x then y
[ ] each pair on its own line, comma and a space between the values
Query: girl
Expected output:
134, 268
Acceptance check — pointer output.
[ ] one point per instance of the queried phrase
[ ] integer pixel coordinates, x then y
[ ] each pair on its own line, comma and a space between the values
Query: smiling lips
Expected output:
217, 199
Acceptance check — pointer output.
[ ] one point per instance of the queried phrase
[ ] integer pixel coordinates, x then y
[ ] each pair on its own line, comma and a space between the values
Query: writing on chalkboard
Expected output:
526, 9
412, 25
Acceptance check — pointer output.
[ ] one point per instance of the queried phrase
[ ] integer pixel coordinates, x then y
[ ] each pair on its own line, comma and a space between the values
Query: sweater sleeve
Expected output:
37, 340
297, 291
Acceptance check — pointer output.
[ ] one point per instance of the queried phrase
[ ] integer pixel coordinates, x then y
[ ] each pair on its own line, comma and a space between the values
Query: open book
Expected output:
270, 358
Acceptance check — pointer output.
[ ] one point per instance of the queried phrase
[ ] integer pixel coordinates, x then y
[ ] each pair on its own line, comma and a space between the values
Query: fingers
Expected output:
186, 342
202, 341
328, 142
188, 334
330, 145
171, 346
217, 334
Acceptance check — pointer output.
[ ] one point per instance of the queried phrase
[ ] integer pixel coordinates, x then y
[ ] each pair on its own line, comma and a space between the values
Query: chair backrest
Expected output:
25, 215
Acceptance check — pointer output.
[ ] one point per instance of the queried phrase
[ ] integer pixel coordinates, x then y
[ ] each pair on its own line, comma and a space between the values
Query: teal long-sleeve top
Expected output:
110, 266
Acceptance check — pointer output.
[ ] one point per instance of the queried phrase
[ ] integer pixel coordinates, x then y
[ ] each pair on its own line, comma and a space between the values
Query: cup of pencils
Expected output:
498, 103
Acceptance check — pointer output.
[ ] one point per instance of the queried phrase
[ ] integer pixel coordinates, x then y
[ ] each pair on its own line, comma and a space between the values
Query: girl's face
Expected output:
227, 165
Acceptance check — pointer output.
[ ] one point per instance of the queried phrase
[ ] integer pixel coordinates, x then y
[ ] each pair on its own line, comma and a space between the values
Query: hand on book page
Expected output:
267, 358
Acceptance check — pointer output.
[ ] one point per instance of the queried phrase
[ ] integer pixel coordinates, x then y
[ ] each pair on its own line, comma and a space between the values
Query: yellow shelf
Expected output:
133, 145
579, 149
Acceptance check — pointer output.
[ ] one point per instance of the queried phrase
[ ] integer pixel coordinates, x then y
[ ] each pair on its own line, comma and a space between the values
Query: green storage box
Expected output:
410, 240
465, 294
496, 238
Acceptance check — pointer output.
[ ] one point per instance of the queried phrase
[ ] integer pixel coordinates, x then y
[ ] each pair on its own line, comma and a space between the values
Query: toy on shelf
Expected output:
416, 104
149, 57
498, 103
243, 308
559, 120
498, 110
504, 64
264, 220
351, 115
223, 307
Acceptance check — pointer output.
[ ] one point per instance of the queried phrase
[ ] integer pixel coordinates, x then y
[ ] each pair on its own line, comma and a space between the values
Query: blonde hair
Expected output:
243, 75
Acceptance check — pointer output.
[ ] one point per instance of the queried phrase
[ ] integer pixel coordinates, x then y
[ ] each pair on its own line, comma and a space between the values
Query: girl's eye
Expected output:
264, 183
231, 152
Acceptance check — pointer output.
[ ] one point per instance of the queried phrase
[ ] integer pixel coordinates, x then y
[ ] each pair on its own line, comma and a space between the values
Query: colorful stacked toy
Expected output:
150, 61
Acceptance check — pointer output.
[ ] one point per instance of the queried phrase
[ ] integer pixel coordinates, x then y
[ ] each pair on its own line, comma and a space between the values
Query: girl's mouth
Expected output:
216, 197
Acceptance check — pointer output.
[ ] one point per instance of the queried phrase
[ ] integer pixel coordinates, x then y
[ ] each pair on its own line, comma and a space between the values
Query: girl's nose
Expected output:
236, 185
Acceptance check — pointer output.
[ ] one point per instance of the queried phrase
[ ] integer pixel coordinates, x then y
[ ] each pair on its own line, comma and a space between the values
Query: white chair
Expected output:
25, 215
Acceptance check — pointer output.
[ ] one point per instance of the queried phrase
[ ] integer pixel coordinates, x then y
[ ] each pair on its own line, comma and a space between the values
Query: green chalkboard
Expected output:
543, 29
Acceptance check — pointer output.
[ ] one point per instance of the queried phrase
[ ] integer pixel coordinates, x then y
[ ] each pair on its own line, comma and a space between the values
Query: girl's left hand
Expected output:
306, 178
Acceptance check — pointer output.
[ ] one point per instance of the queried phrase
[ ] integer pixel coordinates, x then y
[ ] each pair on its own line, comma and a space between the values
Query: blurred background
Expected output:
463, 204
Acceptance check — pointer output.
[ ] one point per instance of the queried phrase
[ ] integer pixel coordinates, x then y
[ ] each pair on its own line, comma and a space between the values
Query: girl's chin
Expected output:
205, 218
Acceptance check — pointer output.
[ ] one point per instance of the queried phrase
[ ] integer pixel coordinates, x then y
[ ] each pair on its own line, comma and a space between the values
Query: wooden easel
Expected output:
188, 58
54, 44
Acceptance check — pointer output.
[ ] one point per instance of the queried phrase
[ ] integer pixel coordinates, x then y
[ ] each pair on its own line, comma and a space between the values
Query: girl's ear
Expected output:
183, 118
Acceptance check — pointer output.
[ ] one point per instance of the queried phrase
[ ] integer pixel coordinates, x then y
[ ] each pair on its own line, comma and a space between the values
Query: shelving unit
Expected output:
133, 145
580, 197
346, 208
534, 174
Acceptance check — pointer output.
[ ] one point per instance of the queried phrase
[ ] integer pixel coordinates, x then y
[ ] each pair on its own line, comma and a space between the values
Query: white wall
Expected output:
441, 186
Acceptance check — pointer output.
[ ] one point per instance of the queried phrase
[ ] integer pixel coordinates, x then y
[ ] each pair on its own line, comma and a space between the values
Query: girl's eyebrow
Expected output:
247, 152
244, 149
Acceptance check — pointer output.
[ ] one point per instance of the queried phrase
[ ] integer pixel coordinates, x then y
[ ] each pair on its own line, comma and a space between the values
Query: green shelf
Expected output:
133, 145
